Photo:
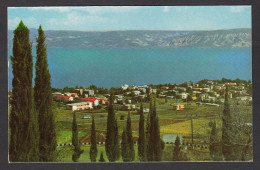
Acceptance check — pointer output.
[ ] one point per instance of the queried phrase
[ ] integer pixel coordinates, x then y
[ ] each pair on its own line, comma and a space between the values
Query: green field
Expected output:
171, 122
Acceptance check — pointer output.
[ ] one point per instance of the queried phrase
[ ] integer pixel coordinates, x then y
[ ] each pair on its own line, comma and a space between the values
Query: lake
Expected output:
115, 67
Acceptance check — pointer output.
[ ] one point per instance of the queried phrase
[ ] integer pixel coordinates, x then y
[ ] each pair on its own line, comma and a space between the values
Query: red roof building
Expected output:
68, 98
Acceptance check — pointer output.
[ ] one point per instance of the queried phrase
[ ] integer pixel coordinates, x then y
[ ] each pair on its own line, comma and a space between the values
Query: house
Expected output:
164, 87
153, 91
212, 99
142, 96
79, 91
142, 89
129, 107
80, 106
119, 96
178, 107
124, 87
133, 87
89, 93
71, 94
95, 101
182, 95
206, 90
56, 93
103, 101
64, 98
230, 84
136, 92
197, 89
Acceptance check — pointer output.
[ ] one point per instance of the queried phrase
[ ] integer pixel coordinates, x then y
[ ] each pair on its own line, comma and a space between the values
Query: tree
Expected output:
177, 150
43, 101
24, 135
130, 141
147, 134
93, 147
214, 148
227, 130
112, 143
154, 152
124, 146
75, 140
141, 139
101, 159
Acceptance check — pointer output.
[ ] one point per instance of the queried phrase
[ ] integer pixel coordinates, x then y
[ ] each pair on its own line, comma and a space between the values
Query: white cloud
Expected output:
90, 9
237, 9
74, 18
58, 9
166, 9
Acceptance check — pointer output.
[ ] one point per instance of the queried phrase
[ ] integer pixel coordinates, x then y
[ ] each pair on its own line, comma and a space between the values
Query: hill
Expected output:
142, 38
221, 38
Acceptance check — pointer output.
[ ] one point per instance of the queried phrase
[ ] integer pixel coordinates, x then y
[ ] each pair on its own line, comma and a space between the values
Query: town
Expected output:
205, 92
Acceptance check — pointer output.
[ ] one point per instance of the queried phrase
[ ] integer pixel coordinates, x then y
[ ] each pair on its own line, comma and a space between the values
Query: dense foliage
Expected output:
141, 139
112, 143
43, 102
75, 140
155, 145
93, 148
24, 136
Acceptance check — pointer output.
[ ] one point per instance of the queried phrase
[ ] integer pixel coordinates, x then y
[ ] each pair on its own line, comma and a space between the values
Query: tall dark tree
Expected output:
112, 143
155, 145
141, 139
24, 135
75, 140
43, 102
147, 135
93, 147
124, 147
177, 150
130, 141
227, 130
214, 148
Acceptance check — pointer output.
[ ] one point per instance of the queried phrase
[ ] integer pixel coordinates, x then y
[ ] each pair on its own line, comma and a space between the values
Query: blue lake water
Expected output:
115, 67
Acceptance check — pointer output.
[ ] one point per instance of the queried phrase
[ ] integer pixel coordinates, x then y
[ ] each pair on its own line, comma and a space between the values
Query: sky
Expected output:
97, 18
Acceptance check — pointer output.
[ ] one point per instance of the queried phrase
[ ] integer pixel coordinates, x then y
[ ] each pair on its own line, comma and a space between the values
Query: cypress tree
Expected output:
158, 142
93, 147
43, 102
147, 135
101, 159
155, 145
24, 136
227, 134
124, 147
141, 139
112, 144
130, 141
177, 150
214, 148
75, 140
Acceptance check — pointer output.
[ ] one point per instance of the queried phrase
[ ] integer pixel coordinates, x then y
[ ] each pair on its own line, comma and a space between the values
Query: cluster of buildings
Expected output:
209, 93
86, 101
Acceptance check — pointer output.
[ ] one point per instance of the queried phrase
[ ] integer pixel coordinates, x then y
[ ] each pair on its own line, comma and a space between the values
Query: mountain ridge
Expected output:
142, 38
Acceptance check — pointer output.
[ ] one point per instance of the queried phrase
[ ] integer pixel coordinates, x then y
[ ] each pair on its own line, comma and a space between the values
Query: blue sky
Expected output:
132, 17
